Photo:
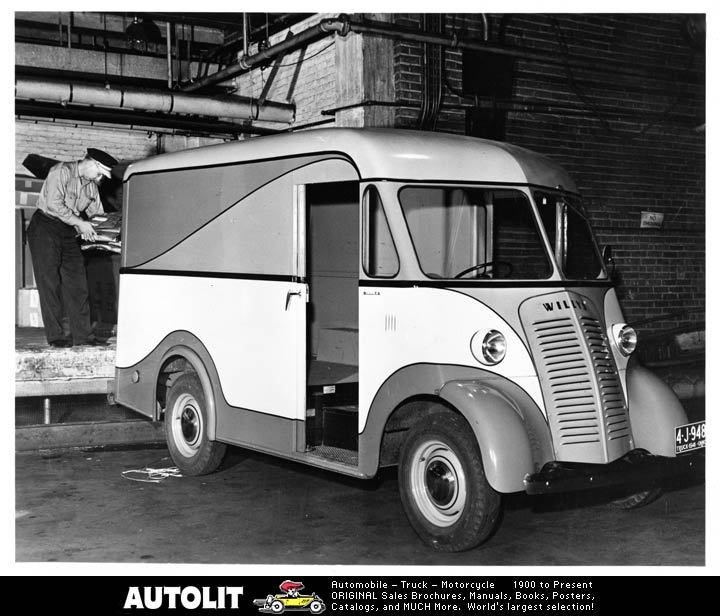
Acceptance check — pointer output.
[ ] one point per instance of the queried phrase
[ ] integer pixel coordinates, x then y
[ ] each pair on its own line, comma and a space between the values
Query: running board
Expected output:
342, 461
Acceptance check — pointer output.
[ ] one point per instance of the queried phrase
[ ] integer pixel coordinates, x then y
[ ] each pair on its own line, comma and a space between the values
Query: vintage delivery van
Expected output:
354, 299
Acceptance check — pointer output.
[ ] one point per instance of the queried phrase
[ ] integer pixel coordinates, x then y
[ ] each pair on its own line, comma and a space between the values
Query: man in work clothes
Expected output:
68, 197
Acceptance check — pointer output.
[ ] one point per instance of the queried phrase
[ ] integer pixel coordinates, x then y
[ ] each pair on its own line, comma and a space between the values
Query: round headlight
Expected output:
493, 347
627, 339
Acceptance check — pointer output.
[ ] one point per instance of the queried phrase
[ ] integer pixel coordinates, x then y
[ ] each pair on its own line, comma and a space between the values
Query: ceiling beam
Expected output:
111, 41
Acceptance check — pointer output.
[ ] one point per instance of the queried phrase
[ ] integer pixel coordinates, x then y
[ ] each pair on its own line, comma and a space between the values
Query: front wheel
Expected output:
186, 425
443, 487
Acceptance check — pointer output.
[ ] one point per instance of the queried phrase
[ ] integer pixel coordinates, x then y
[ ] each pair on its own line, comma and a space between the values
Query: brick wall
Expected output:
69, 142
627, 133
305, 77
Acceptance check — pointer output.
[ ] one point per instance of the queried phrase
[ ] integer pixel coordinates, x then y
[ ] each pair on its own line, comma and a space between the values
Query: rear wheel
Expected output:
186, 425
443, 487
640, 499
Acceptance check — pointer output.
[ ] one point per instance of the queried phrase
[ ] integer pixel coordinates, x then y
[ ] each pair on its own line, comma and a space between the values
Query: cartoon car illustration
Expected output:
290, 599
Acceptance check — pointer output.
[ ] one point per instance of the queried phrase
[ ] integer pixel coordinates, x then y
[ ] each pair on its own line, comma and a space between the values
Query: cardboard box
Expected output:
28, 308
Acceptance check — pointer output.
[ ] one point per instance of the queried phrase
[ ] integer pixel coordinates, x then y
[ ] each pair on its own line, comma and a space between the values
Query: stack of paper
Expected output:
107, 227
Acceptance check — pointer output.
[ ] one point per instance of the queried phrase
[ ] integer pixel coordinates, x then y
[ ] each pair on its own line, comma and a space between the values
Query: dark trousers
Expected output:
60, 276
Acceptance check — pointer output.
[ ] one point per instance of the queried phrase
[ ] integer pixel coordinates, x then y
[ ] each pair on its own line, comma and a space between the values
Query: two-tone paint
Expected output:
243, 328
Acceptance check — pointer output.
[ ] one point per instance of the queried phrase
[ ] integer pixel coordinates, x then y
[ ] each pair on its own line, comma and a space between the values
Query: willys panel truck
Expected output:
356, 298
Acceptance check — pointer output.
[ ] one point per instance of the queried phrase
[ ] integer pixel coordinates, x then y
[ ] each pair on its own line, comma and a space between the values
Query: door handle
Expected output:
288, 296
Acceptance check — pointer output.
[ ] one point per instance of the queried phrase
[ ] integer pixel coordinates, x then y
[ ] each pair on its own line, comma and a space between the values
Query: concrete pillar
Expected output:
364, 69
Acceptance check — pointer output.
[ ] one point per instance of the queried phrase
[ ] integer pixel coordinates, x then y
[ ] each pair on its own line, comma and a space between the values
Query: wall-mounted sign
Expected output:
651, 220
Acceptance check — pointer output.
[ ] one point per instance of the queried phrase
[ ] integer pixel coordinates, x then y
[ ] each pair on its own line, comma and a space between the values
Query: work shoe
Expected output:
62, 344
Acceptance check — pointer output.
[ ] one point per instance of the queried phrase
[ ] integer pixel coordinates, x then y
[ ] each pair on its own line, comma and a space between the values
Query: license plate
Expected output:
689, 437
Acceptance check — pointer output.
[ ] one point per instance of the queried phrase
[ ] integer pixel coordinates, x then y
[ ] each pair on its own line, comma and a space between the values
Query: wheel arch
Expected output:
183, 353
142, 385
511, 431
402, 419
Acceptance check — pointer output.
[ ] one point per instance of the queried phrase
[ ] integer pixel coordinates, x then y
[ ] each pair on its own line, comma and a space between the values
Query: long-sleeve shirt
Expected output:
65, 193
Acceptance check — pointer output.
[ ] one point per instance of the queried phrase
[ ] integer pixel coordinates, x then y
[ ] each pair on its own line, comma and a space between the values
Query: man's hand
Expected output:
86, 231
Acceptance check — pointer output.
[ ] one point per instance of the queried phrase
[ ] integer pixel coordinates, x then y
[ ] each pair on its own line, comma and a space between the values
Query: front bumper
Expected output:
637, 467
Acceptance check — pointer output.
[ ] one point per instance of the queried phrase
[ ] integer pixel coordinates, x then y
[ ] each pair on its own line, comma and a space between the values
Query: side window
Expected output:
380, 259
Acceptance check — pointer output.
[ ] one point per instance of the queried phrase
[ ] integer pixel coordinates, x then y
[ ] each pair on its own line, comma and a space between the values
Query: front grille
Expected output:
583, 396
569, 382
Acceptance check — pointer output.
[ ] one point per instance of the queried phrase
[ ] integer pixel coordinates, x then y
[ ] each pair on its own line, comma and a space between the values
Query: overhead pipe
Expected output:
324, 28
380, 28
138, 120
168, 53
343, 25
486, 27
488, 102
149, 100
178, 60
246, 35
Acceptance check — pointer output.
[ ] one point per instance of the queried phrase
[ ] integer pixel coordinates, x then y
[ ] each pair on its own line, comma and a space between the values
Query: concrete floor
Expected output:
75, 506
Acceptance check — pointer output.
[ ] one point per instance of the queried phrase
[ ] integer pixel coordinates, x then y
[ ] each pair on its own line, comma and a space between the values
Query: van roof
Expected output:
383, 153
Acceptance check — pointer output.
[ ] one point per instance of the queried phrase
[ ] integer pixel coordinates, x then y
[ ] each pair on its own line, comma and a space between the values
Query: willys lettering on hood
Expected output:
566, 304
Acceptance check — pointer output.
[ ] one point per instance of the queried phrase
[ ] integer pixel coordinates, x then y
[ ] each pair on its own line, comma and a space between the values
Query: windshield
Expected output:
570, 236
474, 232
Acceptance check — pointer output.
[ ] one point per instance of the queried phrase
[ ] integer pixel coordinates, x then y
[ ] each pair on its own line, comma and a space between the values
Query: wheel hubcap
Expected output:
441, 483
438, 483
187, 424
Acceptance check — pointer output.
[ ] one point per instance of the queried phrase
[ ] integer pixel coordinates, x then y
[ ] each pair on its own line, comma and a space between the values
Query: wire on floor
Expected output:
151, 475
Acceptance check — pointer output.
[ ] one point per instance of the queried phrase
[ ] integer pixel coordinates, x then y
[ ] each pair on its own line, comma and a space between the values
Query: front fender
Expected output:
654, 411
500, 432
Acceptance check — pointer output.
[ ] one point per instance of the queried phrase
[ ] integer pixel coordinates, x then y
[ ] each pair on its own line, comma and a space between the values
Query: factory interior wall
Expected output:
633, 138
306, 77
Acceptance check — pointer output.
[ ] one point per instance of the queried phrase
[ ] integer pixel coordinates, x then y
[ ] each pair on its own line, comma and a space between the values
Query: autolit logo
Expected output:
290, 599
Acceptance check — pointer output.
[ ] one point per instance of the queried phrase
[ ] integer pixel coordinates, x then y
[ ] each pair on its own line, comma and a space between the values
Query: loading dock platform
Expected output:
44, 371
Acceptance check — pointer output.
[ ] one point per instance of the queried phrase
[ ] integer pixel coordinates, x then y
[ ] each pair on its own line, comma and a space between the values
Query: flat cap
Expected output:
103, 159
